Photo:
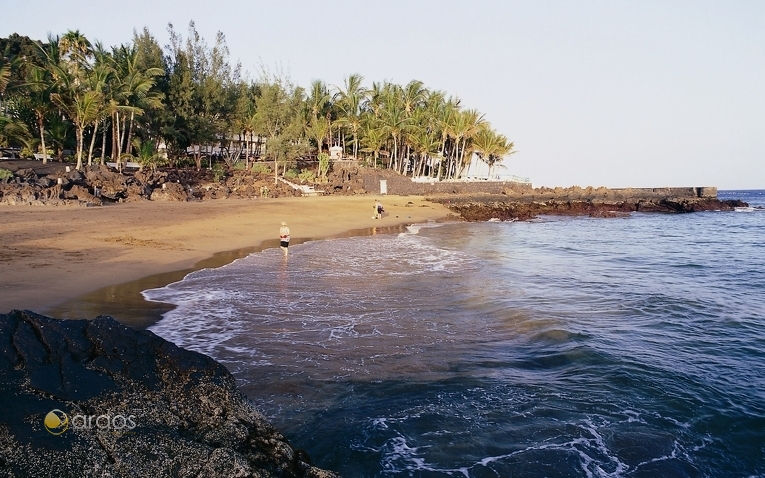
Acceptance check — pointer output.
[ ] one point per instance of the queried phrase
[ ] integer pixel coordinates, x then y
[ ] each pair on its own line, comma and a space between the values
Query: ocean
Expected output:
558, 347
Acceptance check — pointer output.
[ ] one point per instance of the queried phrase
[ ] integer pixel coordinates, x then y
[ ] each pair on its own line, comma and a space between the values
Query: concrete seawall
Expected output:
385, 182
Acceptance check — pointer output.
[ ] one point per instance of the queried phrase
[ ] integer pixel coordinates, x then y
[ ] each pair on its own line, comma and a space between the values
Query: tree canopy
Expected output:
189, 101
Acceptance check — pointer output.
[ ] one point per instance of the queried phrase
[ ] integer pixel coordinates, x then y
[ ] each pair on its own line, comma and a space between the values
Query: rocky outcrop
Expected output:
521, 207
98, 184
95, 398
170, 192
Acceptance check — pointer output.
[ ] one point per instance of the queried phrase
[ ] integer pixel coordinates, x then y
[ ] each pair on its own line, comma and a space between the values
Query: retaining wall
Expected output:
402, 186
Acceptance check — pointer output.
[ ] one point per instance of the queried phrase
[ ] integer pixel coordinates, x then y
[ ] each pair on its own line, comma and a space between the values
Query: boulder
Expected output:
27, 174
19, 194
110, 185
81, 194
96, 398
170, 192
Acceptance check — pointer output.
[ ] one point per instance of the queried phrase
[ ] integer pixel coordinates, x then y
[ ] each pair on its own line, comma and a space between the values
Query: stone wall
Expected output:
404, 186
401, 185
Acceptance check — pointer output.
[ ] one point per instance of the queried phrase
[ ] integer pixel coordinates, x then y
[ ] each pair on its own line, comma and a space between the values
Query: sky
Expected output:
648, 93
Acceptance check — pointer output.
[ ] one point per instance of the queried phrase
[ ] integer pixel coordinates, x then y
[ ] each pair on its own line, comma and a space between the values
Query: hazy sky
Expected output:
603, 93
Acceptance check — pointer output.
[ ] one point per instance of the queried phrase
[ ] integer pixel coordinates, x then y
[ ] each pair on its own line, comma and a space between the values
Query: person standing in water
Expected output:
284, 238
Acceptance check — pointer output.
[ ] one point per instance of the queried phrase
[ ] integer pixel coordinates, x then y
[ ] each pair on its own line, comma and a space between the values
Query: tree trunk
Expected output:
129, 144
103, 143
79, 147
41, 124
246, 152
461, 165
116, 137
122, 135
440, 157
392, 157
198, 159
92, 143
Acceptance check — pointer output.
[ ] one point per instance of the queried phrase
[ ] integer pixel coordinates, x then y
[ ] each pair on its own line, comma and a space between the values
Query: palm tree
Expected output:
40, 83
350, 101
75, 47
246, 122
492, 147
79, 103
133, 92
318, 117
445, 115
75, 52
99, 80
468, 123
424, 141
394, 123
5, 73
13, 130
413, 95
147, 154
318, 130
373, 138
58, 131
376, 97
318, 101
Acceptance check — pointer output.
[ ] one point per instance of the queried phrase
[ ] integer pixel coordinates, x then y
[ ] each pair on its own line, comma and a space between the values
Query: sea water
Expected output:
556, 347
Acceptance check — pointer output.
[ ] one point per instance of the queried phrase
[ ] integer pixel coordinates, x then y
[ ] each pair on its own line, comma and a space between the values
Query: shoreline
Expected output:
74, 262
125, 302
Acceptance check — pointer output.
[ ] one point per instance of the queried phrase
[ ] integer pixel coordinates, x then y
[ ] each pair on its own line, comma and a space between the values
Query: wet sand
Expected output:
72, 262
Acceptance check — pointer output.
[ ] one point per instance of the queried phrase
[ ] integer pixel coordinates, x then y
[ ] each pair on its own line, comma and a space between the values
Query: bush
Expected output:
218, 172
5, 174
26, 153
323, 165
291, 174
307, 176
185, 162
260, 168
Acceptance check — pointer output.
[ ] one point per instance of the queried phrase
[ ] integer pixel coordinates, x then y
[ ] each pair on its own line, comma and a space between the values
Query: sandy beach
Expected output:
73, 262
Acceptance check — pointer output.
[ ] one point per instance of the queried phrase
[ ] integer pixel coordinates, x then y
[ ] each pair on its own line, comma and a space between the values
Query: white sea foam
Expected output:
485, 347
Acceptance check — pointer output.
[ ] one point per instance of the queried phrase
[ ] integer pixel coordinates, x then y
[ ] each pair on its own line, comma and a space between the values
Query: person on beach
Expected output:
378, 209
284, 238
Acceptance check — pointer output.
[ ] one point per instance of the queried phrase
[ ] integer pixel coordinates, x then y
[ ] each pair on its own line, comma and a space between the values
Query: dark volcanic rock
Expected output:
155, 409
519, 208
170, 192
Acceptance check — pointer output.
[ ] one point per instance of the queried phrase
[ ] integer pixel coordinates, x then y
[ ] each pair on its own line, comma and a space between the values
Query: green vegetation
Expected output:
323, 166
307, 176
218, 172
146, 154
128, 101
260, 168
5, 174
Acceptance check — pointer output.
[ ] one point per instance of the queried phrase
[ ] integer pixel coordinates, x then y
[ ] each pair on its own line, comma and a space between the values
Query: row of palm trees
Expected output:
188, 95
70, 83
418, 130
